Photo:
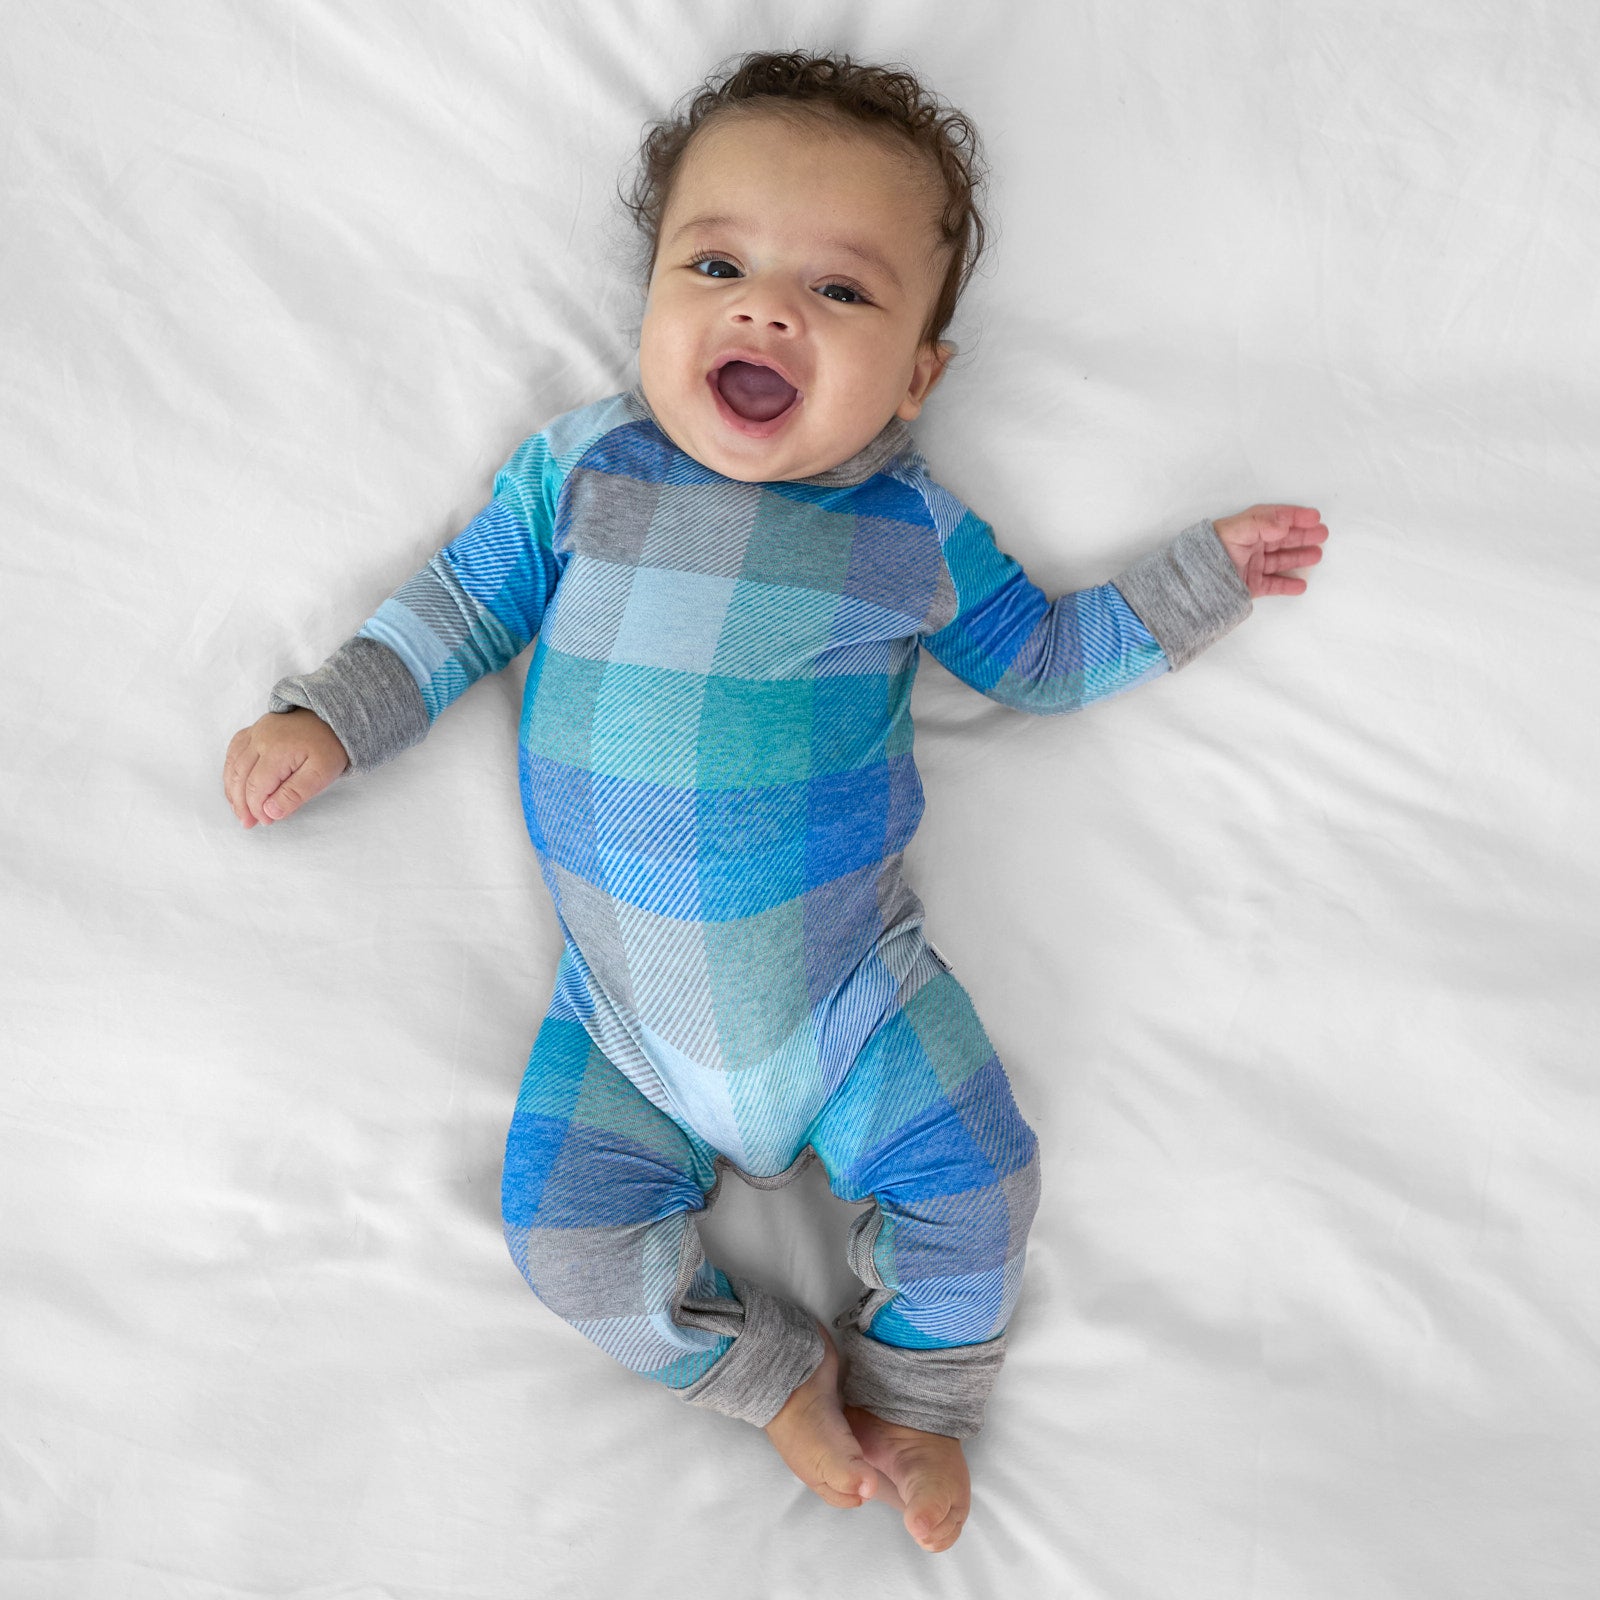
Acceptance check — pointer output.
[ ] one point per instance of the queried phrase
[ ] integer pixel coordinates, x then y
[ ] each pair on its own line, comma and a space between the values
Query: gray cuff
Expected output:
366, 694
1188, 594
938, 1391
775, 1351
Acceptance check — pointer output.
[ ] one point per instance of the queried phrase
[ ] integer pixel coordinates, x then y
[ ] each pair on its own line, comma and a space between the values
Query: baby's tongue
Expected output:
758, 394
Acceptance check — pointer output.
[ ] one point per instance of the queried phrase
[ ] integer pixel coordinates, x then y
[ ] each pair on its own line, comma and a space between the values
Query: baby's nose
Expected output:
767, 305
772, 319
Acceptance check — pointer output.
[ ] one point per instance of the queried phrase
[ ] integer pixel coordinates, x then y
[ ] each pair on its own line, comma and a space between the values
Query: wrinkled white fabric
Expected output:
1290, 957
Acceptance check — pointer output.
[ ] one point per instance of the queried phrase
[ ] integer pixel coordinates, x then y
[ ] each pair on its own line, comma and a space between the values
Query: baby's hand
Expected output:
1267, 542
274, 766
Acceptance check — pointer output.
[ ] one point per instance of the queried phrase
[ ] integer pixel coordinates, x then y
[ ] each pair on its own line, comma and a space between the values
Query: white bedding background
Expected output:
1291, 957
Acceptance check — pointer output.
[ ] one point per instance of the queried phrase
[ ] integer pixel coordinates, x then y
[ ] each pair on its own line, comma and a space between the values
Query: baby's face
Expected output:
810, 253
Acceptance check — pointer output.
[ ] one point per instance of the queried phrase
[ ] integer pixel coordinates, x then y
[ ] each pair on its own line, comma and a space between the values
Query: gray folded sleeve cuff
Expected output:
775, 1350
1188, 594
366, 694
938, 1391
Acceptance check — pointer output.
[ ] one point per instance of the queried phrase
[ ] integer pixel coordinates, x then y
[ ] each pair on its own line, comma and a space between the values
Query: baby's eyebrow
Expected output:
852, 247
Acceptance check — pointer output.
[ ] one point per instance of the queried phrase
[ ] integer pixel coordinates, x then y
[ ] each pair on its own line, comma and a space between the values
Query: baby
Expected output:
730, 571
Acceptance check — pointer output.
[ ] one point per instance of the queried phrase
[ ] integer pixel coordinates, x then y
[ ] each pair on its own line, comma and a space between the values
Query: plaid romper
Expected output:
716, 771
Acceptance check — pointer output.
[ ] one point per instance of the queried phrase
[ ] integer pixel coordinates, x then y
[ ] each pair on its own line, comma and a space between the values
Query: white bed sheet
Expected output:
1291, 957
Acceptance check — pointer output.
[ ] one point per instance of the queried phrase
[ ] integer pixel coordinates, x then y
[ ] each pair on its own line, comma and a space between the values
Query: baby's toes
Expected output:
834, 1497
926, 1516
935, 1510
848, 1476
943, 1533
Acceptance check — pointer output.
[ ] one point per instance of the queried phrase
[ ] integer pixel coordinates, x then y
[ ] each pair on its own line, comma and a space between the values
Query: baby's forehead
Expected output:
723, 156
822, 126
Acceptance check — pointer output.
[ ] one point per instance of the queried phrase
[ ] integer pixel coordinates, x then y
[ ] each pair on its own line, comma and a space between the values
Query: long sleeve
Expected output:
1009, 642
469, 611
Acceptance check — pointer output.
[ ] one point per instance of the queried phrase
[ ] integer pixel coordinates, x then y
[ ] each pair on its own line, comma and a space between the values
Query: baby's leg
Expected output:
926, 1127
599, 1193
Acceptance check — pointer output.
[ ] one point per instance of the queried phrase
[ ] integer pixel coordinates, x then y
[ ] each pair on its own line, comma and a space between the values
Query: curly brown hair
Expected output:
885, 101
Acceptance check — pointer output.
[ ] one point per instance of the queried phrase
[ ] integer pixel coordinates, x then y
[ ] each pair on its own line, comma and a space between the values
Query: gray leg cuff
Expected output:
938, 1391
773, 1353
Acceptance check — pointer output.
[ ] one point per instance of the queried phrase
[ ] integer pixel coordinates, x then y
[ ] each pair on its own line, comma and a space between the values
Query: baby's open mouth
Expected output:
758, 394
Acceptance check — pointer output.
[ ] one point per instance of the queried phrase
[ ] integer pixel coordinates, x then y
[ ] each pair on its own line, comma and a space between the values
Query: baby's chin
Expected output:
703, 437
793, 453
766, 461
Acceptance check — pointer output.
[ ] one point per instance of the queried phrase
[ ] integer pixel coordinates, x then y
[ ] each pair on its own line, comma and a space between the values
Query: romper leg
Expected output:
598, 1197
926, 1127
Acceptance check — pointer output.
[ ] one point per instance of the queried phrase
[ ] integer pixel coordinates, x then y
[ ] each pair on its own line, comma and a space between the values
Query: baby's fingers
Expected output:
237, 765
1288, 560
277, 789
1282, 585
1279, 566
1300, 523
1287, 517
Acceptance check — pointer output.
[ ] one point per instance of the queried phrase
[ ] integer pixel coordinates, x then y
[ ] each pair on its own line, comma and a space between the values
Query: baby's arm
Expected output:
278, 763
1011, 643
469, 611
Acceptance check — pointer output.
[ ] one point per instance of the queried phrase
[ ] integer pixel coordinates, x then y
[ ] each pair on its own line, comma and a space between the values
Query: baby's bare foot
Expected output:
928, 1471
815, 1441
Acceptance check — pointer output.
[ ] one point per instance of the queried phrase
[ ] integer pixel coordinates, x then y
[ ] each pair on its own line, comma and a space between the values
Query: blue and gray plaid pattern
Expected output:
717, 774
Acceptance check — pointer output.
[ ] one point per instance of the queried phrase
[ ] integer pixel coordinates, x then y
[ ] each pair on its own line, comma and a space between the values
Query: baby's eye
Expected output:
705, 265
855, 296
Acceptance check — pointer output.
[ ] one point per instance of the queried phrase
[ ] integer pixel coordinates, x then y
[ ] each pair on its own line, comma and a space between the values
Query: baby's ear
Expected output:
932, 359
